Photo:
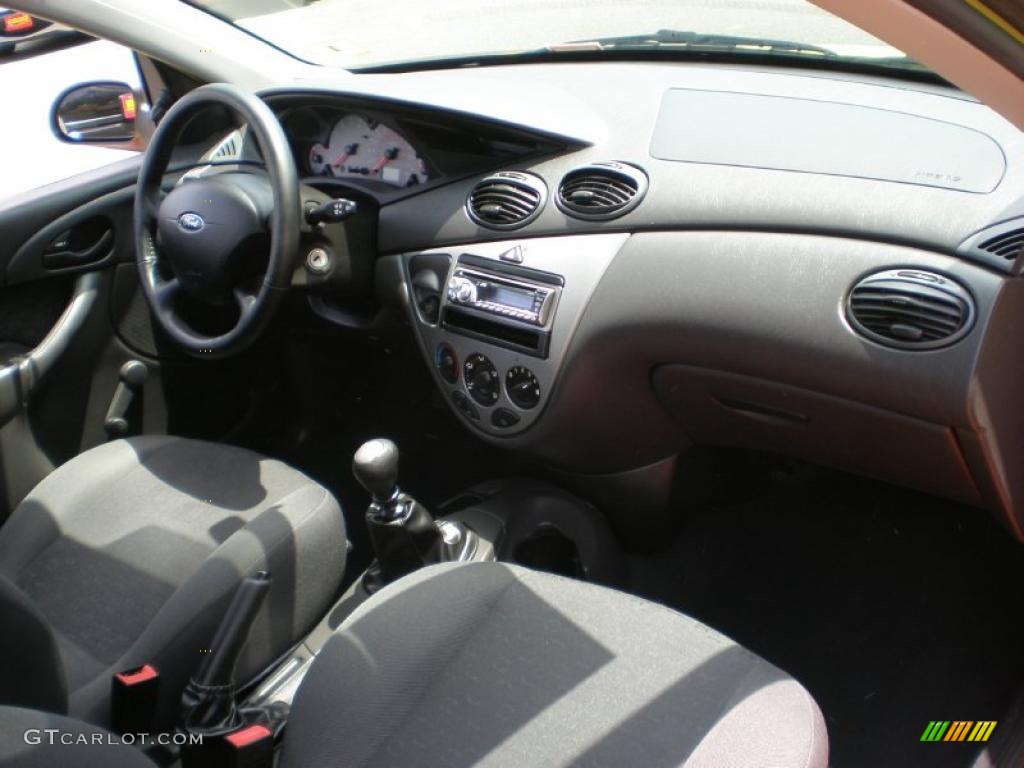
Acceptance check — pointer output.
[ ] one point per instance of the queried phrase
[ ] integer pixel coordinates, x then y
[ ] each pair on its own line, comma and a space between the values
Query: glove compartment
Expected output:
720, 408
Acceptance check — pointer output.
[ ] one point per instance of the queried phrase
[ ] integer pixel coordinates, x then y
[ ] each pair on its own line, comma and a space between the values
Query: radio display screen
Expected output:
508, 297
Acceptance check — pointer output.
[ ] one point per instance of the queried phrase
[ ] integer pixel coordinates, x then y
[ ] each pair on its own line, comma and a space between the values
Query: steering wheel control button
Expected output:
330, 212
503, 418
447, 363
522, 387
318, 261
482, 380
465, 407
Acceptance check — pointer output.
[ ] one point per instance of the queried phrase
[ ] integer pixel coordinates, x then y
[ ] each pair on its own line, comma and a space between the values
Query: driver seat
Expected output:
129, 554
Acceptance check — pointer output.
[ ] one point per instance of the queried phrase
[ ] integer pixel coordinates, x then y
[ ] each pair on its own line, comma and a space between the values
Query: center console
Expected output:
494, 320
515, 519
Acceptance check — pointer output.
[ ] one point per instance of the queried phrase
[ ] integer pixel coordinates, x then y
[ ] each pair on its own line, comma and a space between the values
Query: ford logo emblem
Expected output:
191, 222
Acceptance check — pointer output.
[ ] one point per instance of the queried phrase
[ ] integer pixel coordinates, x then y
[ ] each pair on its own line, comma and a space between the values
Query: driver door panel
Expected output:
55, 406
59, 355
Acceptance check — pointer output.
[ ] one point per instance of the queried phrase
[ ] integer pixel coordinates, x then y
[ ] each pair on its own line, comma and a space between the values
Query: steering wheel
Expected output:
202, 238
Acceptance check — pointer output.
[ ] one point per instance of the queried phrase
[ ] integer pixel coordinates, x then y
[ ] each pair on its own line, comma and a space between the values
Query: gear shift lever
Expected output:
375, 466
402, 531
404, 534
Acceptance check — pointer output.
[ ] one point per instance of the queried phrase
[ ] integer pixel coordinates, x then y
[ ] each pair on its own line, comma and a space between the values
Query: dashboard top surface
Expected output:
856, 186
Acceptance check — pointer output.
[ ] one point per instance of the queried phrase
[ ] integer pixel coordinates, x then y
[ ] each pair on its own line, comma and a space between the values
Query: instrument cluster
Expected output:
354, 146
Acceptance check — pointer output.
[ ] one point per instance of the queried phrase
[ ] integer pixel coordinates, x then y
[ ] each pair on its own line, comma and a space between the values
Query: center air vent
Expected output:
506, 200
910, 309
601, 191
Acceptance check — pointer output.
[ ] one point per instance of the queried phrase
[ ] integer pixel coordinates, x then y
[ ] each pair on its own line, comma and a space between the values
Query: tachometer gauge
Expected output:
360, 147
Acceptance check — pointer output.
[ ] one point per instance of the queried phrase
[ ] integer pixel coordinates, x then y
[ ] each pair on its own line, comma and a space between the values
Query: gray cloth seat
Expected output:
33, 739
494, 665
129, 553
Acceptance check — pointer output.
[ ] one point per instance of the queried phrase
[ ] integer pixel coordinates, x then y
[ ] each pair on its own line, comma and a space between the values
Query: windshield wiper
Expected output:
689, 40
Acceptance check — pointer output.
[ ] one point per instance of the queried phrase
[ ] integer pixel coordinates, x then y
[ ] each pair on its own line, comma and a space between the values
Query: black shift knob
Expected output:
375, 466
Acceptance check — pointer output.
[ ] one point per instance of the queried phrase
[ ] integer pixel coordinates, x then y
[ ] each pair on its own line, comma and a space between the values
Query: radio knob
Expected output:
462, 291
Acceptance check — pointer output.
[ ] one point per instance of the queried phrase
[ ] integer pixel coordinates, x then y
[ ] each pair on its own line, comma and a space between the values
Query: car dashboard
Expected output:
602, 264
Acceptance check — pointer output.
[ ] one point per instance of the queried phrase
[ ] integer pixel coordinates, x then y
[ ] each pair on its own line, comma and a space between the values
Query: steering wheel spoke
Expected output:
167, 292
245, 300
151, 205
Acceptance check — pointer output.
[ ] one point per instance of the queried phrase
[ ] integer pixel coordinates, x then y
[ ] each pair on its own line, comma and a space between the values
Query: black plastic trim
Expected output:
548, 278
505, 333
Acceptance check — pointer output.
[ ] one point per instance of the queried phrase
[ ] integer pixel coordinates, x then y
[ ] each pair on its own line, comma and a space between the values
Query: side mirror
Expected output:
95, 113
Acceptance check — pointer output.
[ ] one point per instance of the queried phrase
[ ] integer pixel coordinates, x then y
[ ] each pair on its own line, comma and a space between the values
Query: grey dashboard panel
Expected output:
760, 317
828, 137
765, 305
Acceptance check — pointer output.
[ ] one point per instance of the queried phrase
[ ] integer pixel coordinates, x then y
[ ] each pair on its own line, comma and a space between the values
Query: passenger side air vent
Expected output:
507, 200
999, 246
1008, 245
601, 191
910, 309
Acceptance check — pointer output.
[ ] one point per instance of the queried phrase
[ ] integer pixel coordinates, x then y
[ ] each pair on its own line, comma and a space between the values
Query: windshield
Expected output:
357, 34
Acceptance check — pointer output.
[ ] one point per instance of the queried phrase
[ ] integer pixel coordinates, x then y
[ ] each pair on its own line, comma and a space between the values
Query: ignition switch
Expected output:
318, 261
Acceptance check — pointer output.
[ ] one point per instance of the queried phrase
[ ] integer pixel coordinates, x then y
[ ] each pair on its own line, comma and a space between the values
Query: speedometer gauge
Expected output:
360, 147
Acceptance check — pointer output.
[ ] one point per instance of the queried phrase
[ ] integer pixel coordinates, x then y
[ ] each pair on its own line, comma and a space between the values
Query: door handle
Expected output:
61, 258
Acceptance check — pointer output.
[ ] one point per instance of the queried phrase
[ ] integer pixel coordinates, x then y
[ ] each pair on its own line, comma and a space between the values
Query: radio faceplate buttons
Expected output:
482, 380
513, 297
522, 387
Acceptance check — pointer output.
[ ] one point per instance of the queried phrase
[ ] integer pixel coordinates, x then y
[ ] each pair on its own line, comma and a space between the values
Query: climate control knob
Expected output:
482, 379
447, 363
522, 387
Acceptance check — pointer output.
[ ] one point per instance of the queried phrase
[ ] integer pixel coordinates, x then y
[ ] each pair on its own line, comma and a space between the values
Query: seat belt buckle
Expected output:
250, 747
133, 699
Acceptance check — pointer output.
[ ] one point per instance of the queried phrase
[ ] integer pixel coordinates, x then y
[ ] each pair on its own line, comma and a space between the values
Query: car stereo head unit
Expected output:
505, 296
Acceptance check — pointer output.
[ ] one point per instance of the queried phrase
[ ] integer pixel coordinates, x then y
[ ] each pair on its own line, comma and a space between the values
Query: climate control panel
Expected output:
495, 321
487, 387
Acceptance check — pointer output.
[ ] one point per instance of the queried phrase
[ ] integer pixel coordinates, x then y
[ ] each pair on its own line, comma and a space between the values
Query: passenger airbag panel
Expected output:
791, 134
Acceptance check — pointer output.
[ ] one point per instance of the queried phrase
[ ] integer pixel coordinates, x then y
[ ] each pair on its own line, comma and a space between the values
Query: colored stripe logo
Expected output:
958, 730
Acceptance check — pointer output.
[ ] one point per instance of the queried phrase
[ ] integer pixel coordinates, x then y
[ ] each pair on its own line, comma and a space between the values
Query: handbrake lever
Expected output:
208, 703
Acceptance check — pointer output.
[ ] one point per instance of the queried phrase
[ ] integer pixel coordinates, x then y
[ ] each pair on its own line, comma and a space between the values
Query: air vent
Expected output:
227, 148
1008, 245
506, 200
910, 309
999, 246
601, 191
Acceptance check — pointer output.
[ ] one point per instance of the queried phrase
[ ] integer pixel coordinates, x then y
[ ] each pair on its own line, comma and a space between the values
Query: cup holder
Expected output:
548, 549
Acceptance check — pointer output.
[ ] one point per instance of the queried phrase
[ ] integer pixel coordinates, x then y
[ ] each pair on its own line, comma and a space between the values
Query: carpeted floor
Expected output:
892, 607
